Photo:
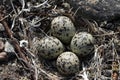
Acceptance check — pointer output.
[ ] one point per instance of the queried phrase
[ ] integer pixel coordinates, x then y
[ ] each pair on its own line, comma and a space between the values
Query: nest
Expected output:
31, 20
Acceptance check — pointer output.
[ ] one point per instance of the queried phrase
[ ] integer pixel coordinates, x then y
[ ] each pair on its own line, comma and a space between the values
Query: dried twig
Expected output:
9, 32
108, 34
23, 5
13, 6
76, 11
16, 44
6, 16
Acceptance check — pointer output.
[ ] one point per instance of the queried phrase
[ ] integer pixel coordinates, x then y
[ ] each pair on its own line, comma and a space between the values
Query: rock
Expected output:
23, 43
2, 27
2, 45
3, 56
8, 47
99, 10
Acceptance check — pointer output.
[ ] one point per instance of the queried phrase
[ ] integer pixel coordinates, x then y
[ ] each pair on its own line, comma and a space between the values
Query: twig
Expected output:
108, 34
23, 5
76, 11
17, 47
41, 4
13, 23
13, 6
51, 76
10, 34
6, 16
38, 6
36, 70
98, 60
6, 27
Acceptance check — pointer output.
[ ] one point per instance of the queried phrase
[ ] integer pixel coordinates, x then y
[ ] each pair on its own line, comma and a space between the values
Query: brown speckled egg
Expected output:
68, 63
50, 47
82, 43
63, 28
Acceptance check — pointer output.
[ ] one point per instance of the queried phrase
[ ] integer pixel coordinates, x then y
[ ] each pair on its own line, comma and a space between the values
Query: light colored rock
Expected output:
2, 27
8, 47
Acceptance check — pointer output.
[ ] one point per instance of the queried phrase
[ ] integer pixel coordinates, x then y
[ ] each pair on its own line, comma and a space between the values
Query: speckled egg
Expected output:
82, 43
50, 47
68, 63
63, 28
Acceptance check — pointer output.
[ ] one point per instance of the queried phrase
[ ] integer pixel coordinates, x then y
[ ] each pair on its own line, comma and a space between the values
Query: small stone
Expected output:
3, 56
14, 64
2, 45
23, 43
66, 5
2, 27
8, 47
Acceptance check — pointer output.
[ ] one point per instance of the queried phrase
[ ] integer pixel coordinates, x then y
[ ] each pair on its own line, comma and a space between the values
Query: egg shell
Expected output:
50, 47
63, 28
68, 63
82, 43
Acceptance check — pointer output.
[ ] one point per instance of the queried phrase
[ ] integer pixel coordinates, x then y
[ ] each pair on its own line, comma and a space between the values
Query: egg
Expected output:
67, 63
82, 43
50, 47
63, 28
